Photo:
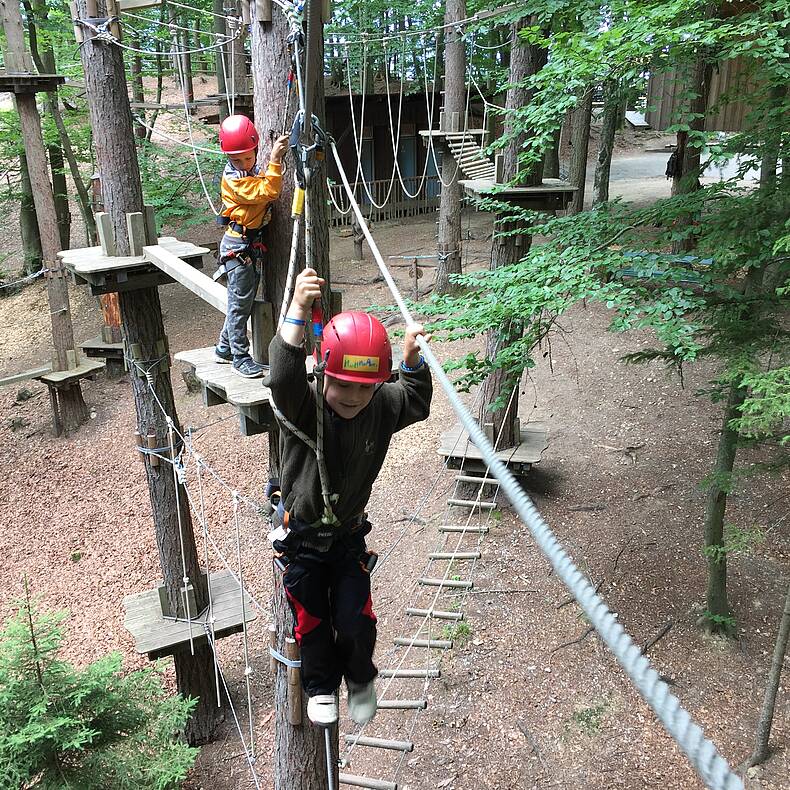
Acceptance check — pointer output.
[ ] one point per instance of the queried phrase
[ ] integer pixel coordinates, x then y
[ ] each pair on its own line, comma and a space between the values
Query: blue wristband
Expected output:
294, 321
404, 367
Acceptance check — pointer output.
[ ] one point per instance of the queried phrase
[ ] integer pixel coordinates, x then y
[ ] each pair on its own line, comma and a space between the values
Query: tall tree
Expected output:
28, 222
499, 405
70, 403
612, 106
449, 238
299, 762
580, 142
141, 314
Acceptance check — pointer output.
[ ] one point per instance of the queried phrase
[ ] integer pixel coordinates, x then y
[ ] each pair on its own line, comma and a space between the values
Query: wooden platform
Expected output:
96, 348
457, 448
552, 195
29, 83
60, 378
157, 636
221, 385
124, 273
25, 375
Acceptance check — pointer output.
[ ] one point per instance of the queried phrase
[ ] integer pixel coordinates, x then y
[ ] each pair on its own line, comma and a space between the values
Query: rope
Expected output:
245, 643
182, 83
191, 146
177, 480
701, 752
27, 279
250, 757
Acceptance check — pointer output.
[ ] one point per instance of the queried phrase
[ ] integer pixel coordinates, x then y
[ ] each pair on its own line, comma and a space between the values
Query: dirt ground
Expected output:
514, 708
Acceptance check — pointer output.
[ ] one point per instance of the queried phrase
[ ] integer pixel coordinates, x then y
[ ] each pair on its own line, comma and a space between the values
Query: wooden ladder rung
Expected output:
472, 503
379, 743
410, 673
363, 781
402, 704
486, 481
461, 528
454, 555
439, 644
434, 613
445, 583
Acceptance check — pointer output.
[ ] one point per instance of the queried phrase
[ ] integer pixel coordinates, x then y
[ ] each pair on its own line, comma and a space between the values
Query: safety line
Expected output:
710, 765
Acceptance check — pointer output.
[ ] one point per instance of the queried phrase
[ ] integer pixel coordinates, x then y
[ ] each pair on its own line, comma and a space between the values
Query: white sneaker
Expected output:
322, 709
361, 701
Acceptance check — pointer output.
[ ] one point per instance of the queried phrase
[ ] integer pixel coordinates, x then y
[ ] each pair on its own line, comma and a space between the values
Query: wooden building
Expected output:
727, 108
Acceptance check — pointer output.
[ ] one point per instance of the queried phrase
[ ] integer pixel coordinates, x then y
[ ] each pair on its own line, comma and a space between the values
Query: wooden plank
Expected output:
87, 367
364, 781
434, 613
452, 528
458, 584
455, 443
130, 5
454, 555
106, 237
379, 743
25, 375
402, 704
135, 228
471, 503
438, 644
410, 673
200, 284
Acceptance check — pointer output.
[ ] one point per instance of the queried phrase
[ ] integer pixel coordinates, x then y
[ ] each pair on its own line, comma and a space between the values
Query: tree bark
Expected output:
611, 112
551, 160
141, 314
763, 733
45, 63
73, 411
33, 257
687, 172
61, 194
580, 141
138, 93
299, 762
449, 238
186, 59
525, 60
717, 605
218, 8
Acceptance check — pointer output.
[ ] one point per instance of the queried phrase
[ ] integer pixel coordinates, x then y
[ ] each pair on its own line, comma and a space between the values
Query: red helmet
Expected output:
237, 135
359, 349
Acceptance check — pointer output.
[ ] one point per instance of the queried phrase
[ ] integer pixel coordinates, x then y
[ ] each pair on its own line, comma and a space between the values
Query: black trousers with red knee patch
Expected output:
335, 627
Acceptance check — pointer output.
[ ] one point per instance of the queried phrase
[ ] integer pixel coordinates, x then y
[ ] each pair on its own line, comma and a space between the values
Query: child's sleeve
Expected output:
287, 381
254, 190
411, 396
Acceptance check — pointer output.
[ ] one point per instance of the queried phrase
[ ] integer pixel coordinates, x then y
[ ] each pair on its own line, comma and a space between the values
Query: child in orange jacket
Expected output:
247, 196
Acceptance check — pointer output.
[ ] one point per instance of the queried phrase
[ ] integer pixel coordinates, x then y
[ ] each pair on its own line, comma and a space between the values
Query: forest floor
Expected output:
515, 707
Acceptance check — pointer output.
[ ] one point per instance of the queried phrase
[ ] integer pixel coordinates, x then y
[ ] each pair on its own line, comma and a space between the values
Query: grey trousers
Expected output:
242, 287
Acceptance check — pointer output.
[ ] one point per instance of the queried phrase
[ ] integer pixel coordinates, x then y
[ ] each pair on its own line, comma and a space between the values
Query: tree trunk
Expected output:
45, 63
763, 733
186, 60
580, 141
525, 60
238, 59
718, 609
218, 8
687, 170
299, 762
138, 93
28, 224
141, 314
73, 411
449, 238
611, 112
551, 159
61, 193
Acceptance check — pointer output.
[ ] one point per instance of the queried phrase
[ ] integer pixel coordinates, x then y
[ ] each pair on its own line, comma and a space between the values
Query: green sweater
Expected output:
354, 449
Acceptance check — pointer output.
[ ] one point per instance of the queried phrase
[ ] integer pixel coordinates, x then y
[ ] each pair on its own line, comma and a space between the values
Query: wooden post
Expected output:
580, 141
299, 762
294, 684
71, 410
143, 326
448, 247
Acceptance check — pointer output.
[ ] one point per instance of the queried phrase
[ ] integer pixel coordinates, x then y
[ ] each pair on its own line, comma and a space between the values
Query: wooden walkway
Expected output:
552, 195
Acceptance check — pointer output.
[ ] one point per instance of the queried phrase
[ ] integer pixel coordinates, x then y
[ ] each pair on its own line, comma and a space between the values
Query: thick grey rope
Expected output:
709, 764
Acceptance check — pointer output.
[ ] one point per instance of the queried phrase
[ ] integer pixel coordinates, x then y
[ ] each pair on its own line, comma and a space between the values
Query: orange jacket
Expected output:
246, 195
